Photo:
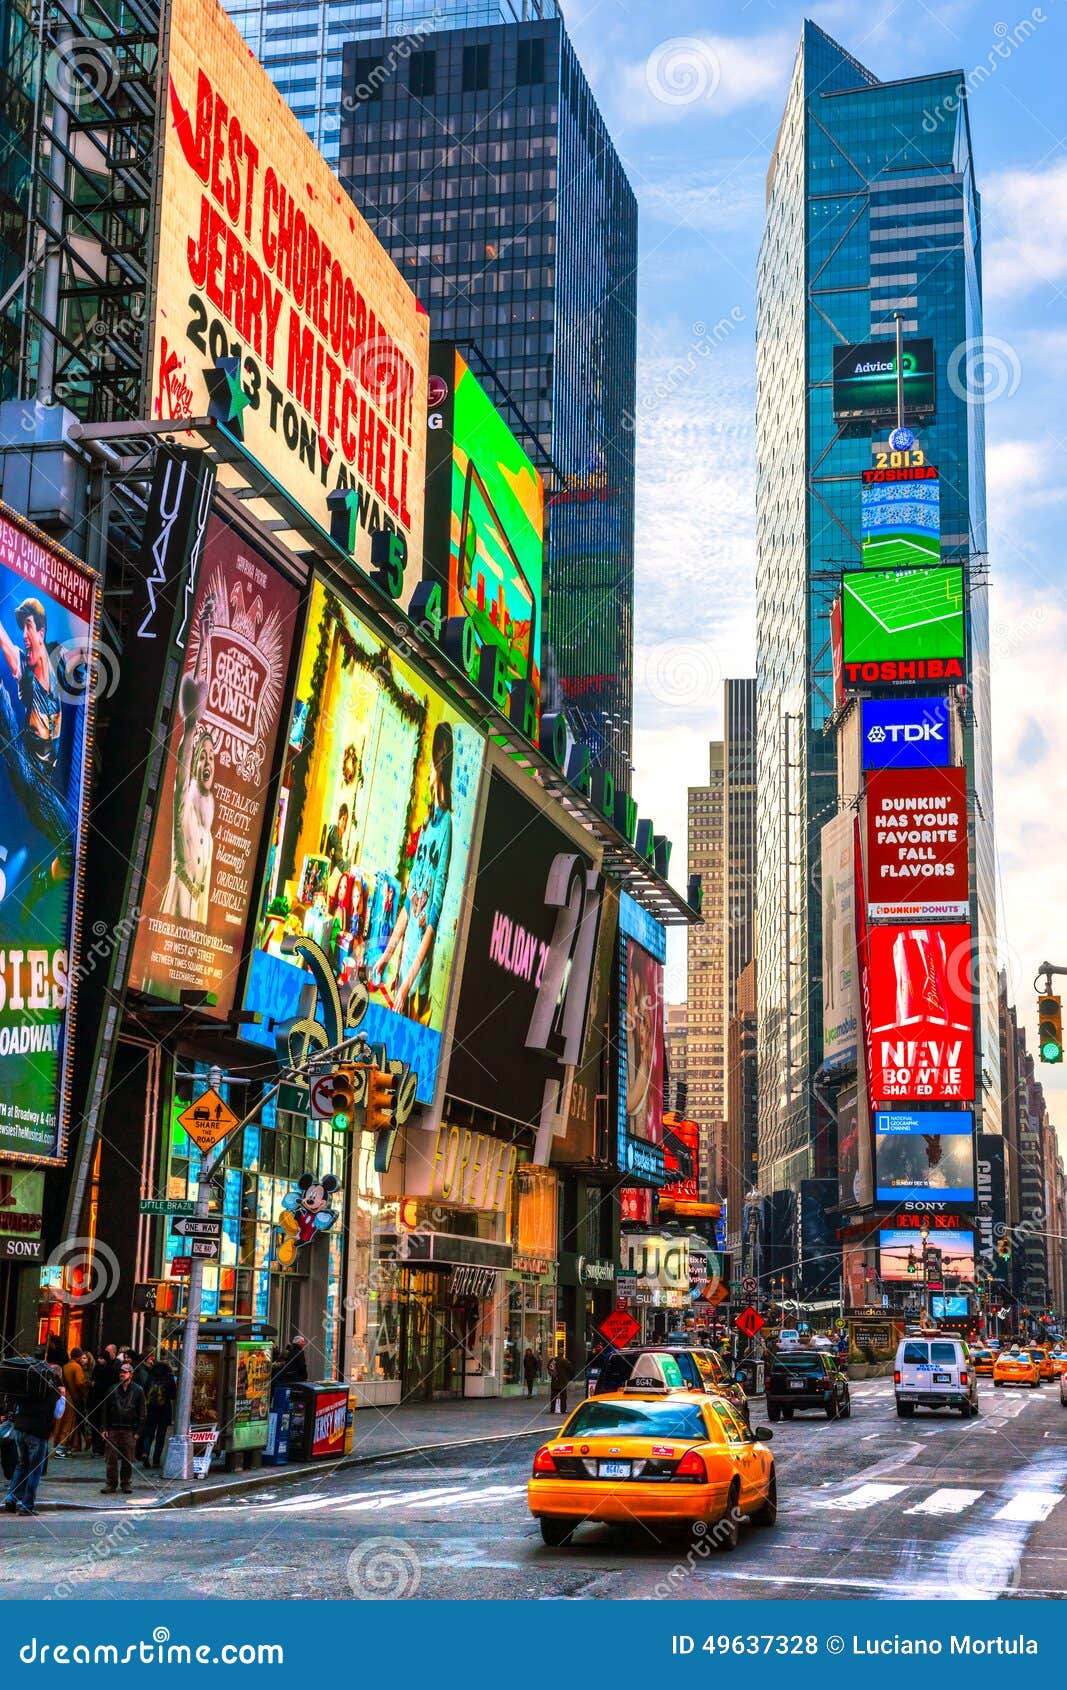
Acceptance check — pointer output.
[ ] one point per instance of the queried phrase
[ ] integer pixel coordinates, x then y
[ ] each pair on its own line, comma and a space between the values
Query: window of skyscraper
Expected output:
370, 74
530, 63
476, 69
422, 74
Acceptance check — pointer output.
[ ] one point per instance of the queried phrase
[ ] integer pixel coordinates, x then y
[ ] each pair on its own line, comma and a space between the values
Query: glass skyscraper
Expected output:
484, 167
872, 212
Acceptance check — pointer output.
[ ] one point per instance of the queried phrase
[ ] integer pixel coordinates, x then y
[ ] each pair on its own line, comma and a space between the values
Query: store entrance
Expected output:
431, 1340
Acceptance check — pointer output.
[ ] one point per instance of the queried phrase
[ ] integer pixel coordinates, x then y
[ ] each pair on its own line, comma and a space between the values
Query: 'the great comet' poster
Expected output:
47, 608
199, 890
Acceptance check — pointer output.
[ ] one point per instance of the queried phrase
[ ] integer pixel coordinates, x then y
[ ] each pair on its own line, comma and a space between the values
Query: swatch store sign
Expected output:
661, 1267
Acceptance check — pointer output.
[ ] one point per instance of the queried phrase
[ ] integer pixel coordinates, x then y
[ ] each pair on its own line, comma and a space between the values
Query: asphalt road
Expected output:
871, 1507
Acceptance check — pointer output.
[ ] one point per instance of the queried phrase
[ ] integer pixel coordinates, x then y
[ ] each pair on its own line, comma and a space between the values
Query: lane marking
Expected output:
867, 1496
946, 1501
1029, 1506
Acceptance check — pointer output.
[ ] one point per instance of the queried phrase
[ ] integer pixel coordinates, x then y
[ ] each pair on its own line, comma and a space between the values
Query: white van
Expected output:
934, 1372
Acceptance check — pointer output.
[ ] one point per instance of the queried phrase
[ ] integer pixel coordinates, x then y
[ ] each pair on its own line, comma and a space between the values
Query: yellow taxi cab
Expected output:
1015, 1367
1058, 1357
983, 1362
1046, 1367
661, 1460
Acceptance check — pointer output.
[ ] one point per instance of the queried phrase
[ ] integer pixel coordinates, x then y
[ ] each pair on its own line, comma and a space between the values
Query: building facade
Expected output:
742, 1114
482, 163
705, 1050
872, 214
676, 1090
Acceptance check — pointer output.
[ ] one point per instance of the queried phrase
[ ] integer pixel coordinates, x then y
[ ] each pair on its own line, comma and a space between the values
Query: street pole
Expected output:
900, 369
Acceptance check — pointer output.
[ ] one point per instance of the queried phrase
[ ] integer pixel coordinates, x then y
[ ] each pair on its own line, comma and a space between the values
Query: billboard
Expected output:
900, 1255
371, 839
840, 1004
639, 1075
484, 535
273, 302
921, 1011
916, 821
47, 630
901, 520
924, 1154
900, 623
523, 1002
587, 524
681, 1153
905, 733
199, 888
865, 380
579, 1142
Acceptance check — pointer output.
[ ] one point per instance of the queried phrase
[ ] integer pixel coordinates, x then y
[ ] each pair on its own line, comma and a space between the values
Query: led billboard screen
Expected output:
47, 629
527, 969
921, 1014
371, 839
905, 733
639, 1079
916, 823
900, 1255
901, 523
924, 1154
865, 379
273, 300
949, 1308
484, 535
839, 963
903, 620
220, 758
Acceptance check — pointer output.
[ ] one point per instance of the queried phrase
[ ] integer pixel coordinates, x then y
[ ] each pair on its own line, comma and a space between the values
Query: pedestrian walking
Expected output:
124, 1415
159, 1413
104, 1378
531, 1369
33, 1418
293, 1367
560, 1374
69, 1430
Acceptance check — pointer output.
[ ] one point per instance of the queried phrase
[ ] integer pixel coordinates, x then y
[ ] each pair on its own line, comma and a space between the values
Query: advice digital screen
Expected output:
865, 379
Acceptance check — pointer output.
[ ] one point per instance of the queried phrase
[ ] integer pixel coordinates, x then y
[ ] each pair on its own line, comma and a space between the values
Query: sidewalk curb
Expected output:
271, 1477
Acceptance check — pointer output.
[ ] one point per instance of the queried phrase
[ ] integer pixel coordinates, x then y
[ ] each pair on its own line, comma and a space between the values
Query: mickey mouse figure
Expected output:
306, 1211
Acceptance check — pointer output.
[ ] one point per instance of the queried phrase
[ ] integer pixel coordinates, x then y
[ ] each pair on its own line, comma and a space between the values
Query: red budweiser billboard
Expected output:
921, 1024
917, 844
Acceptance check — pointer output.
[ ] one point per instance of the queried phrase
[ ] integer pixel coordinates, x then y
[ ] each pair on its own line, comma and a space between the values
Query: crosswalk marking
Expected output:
1030, 1506
948, 1501
867, 1496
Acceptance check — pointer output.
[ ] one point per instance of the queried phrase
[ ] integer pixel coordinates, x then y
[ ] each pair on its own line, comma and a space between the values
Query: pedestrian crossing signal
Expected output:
1050, 1028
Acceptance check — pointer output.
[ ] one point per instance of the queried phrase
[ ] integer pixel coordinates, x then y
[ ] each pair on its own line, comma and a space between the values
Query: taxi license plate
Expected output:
942, 1378
614, 1469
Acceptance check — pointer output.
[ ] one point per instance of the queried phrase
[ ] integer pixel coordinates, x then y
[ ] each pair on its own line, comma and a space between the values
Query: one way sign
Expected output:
208, 1247
194, 1226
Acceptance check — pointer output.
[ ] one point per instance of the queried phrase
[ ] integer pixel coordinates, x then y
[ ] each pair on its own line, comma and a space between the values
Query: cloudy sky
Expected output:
692, 91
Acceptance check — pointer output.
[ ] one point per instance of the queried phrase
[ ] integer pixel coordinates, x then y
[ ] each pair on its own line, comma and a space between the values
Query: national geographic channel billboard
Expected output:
47, 630
260, 256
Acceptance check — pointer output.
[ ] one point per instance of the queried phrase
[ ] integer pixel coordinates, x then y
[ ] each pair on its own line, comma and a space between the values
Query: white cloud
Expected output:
1024, 224
713, 75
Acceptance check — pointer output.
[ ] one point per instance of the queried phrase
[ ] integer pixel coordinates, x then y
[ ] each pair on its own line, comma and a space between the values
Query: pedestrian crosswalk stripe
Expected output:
867, 1496
1030, 1506
948, 1501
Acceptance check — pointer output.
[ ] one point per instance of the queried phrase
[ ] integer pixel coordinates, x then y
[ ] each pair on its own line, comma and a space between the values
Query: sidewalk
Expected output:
74, 1481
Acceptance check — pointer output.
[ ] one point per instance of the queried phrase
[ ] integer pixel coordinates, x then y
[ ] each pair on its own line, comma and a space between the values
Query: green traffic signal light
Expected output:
1050, 1028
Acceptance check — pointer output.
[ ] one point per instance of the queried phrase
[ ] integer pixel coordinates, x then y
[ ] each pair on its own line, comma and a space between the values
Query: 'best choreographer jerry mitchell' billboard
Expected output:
47, 627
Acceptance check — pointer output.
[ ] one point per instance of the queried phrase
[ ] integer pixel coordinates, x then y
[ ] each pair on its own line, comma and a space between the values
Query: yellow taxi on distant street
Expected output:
1015, 1367
663, 1461
1046, 1367
983, 1362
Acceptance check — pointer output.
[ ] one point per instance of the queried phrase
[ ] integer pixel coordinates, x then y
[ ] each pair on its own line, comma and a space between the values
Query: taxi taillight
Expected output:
543, 1463
692, 1466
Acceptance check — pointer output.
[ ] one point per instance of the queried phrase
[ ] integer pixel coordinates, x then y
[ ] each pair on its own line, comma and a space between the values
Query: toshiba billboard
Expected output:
916, 824
921, 1023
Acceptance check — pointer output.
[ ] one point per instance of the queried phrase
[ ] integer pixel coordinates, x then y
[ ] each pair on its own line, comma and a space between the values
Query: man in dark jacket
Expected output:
293, 1368
33, 1419
124, 1415
560, 1374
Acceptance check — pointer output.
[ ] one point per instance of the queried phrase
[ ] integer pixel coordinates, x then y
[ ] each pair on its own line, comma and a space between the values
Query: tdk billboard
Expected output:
906, 733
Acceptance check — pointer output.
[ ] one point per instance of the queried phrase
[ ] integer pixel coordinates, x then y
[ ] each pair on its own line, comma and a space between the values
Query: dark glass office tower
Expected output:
483, 165
872, 212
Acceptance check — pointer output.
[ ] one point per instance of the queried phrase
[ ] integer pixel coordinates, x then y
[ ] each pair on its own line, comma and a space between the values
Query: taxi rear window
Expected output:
637, 1420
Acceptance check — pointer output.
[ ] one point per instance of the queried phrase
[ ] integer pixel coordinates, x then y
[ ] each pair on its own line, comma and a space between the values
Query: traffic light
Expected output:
381, 1101
344, 1097
1004, 1249
1050, 1028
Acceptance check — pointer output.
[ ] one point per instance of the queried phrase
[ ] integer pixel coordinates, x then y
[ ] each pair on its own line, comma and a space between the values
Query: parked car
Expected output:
806, 1379
934, 1373
675, 1369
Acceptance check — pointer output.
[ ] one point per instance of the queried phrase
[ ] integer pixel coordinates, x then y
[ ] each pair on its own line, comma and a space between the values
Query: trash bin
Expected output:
750, 1377
318, 1413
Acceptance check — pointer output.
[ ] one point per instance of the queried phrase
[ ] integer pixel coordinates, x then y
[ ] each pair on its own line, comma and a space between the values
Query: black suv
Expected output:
806, 1379
699, 1370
